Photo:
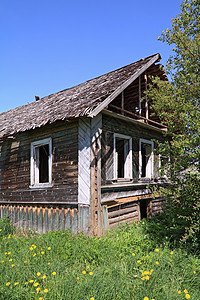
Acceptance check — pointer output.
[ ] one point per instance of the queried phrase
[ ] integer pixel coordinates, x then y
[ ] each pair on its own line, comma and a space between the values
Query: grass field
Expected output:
130, 262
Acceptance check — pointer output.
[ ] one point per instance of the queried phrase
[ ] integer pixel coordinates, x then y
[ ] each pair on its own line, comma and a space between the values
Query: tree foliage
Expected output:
177, 103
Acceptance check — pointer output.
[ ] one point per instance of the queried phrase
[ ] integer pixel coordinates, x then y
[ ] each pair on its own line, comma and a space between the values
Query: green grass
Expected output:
130, 262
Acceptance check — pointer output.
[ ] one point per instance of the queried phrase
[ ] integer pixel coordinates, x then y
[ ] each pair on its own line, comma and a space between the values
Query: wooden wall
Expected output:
15, 166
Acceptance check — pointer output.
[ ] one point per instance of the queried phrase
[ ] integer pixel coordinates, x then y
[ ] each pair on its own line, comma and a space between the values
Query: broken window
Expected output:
41, 162
146, 169
122, 157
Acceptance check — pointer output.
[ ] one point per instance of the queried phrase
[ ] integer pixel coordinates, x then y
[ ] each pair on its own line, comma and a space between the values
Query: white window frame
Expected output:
128, 163
34, 170
151, 158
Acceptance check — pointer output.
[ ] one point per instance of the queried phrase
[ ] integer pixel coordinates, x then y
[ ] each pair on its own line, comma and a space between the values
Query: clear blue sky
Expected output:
48, 46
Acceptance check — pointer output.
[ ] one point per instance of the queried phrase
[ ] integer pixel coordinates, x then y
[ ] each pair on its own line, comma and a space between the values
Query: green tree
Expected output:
177, 103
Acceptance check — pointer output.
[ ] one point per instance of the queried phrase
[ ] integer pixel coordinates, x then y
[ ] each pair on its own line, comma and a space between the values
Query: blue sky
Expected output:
48, 46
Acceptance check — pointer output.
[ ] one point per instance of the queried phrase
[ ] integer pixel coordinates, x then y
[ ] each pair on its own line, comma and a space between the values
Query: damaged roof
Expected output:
85, 99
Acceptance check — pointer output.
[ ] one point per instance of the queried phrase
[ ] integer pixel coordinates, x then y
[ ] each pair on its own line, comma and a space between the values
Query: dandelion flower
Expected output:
38, 273
87, 267
171, 252
143, 278
34, 254
185, 291
91, 273
2, 261
146, 298
10, 259
31, 281
0, 229
8, 283
133, 254
84, 272
40, 298
16, 283
194, 272
48, 263
138, 261
44, 276
179, 292
42, 252
187, 296
77, 278
49, 248
92, 298
157, 263
31, 248
25, 261
9, 253
54, 273
37, 290
36, 284
157, 250
12, 265
147, 277
45, 291
151, 271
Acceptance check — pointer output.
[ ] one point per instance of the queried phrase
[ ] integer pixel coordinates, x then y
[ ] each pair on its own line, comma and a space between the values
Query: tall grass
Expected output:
128, 263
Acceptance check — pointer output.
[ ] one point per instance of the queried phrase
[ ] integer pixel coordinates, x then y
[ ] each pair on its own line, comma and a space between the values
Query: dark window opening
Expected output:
145, 153
121, 157
44, 164
145, 209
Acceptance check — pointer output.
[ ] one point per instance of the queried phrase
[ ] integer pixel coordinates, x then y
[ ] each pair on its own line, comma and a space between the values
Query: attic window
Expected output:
41, 163
122, 157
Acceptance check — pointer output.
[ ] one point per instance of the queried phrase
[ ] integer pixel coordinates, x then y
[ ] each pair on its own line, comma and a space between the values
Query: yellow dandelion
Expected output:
147, 277
34, 254
8, 283
45, 291
157, 250
54, 273
44, 276
194, 272
138, 261
36, 284
157, 263
10, 259
37, 290
87, 267
49, 248
133, 254
2, 261
92, 298
12, 265
9, 253
0, 229
171, 252
179, 292
48, 263
91, 273
16, 283
31, 248
143, 278
77, 278
151, 271
42, 252
38, 273
185, 291
40, 298
31, 281
84, 272
146, 298
25, 261
171, 260
187, 296
26, 282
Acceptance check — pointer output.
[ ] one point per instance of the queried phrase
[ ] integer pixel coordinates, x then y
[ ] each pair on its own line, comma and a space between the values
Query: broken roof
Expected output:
85, 99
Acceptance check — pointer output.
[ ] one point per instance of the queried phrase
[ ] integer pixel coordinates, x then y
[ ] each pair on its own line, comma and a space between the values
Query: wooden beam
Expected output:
140, 110
123, 102
146, 99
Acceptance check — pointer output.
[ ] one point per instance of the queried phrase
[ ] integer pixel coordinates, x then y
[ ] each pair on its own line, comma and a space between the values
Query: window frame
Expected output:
144, 141
34, 169
128, 166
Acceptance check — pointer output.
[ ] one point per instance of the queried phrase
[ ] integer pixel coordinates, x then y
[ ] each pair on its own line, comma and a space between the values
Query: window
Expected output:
122, 157
41, 163
146, 159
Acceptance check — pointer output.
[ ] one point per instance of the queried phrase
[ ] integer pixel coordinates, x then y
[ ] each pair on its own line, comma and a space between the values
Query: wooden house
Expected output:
82, 158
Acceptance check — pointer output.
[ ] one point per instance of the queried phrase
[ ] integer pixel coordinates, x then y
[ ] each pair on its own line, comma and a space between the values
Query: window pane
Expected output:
44, 164
121, 158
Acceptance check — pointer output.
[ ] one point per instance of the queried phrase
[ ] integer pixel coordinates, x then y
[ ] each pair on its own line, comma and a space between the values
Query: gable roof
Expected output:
85, 99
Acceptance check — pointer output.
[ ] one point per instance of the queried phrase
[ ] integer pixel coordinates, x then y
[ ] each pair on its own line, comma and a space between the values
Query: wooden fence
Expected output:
43, 219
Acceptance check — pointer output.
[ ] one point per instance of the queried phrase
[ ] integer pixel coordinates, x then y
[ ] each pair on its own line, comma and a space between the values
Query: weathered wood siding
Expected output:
43, 219
15, 165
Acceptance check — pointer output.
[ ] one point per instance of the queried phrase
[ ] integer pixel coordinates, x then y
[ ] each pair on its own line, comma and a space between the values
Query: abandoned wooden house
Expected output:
82, 158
